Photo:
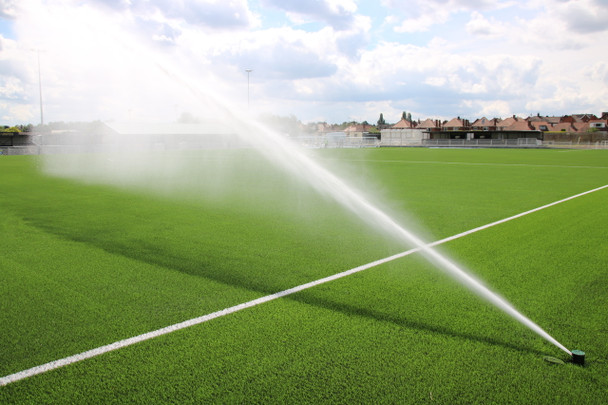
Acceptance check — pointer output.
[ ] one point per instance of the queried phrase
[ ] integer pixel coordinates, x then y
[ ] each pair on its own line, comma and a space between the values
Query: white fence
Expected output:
520, 142
337, 141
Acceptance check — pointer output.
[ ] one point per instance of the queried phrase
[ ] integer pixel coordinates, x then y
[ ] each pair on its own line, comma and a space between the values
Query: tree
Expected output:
409, 117
404, 115
26, 128
12, 130
381, 122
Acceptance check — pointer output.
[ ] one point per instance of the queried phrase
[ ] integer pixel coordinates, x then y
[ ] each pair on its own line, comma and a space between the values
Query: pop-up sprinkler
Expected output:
578, 357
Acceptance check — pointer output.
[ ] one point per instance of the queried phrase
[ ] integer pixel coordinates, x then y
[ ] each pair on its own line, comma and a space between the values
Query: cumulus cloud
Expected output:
480, 26
563, 25
421, 15
599, 73
584, 16
285, 61
11, 112
14, 72
560, 26
508, 57
8, 9
10, 88
340, 14
207, 13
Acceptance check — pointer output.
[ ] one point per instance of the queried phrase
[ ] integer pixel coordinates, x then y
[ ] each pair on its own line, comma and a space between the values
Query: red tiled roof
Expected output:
427, 123
584, 117
519, 125
484, 122
454, 122
563, 126
541, 125
582, 126
404, 124
481, 122
507, 121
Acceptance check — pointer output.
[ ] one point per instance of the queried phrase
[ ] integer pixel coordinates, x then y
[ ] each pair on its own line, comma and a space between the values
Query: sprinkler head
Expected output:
578, 357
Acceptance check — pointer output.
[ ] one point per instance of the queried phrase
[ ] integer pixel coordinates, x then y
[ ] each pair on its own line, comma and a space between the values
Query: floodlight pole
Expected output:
248, 72
39, 86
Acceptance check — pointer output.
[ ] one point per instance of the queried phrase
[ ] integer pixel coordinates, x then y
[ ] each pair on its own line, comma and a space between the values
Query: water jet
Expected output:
276, 148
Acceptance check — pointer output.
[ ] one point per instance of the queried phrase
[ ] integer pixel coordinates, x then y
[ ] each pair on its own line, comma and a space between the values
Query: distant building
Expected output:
456, 124
404, 124
484, 124
359, 130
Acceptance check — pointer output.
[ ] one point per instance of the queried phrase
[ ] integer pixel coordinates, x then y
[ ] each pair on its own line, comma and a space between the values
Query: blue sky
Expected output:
320, 60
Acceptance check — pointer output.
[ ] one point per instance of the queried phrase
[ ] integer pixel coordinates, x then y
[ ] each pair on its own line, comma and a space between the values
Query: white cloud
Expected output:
422, 15
16, 113
563, 25
15, 72
598, 73
219, 14
491, 108
10, 88
104, 61
583, 16
340, 14
8, 9
480, 26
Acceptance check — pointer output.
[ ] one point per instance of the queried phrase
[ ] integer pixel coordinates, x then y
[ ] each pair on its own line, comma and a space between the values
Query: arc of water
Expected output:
283, 152
289, 156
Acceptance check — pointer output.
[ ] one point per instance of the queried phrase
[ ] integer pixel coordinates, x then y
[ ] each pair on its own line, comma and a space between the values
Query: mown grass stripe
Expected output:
196, 321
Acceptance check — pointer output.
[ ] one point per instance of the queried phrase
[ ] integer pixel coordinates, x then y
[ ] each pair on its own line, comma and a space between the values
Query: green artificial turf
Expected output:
85, 264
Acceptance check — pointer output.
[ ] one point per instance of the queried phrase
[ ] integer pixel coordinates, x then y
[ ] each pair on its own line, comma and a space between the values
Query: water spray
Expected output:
284, 153
290, 157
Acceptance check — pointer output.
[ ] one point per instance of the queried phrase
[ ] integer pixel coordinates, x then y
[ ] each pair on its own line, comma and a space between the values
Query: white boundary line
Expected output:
436, 162
195, 321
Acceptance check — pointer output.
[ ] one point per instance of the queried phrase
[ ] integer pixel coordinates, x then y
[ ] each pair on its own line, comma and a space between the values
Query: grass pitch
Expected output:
86, 264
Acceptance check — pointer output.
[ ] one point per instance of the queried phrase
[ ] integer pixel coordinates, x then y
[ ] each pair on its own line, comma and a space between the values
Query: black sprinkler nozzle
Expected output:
578, 357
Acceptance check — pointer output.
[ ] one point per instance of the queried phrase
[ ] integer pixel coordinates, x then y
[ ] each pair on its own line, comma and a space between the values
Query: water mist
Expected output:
289, 157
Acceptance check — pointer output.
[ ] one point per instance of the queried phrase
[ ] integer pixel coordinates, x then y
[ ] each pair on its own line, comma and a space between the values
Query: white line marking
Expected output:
436, 162
195, 321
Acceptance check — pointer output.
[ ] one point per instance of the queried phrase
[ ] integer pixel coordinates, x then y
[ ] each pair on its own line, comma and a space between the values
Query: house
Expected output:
502, 124
599, 124
553, 120
457, 124
564, 127
545, 126
404, 124
522, 125
484, 124
429, 125
323, 127
359, 130
584, 117
541, 125
568, 118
